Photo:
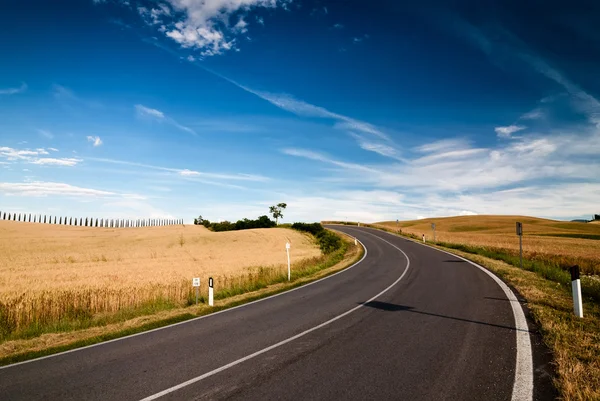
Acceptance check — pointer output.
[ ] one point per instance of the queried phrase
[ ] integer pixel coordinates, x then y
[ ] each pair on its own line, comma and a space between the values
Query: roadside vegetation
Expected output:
37, 321
544, 283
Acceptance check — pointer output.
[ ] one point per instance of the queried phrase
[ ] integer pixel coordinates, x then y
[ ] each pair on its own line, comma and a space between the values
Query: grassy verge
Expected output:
129, 322
574, 342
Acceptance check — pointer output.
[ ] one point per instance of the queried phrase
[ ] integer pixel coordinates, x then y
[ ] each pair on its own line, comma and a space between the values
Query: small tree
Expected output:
277, 211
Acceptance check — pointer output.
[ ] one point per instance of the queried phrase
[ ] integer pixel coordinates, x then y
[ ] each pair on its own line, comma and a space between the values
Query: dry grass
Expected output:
53, 273
46, 341
499, 232
574, 342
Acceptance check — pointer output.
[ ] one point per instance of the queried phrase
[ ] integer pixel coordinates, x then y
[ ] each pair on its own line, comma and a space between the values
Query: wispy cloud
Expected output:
502, 45
33, 156
95, 140
186, 172
46, 134
14, 91
359, 39
68, 97
506, 132
456, 166
378, 147
157, 115
534, 114
70, 162
301, 108
338, 26
42, 189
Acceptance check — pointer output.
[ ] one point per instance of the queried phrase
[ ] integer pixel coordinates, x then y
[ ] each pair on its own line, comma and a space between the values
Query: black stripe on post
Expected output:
574, 273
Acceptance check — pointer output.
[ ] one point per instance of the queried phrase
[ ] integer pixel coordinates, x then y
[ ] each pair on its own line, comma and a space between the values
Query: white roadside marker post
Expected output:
423, 238
210, 292
196, 283
576, 287
520, 234
287, 250
355, 241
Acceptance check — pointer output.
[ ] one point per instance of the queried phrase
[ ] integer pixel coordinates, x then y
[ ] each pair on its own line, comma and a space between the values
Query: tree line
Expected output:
245, 224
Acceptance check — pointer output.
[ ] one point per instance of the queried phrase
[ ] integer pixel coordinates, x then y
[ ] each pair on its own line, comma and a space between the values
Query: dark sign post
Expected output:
433, 228
396, 225
520, 234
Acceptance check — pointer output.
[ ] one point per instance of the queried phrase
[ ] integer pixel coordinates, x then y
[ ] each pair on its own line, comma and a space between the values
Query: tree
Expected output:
277, 211
198, 221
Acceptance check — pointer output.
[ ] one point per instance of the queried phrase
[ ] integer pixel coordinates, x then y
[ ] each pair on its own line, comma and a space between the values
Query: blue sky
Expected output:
343, 110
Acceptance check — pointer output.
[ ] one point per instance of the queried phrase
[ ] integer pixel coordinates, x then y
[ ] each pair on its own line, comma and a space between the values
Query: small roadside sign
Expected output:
287, 245
196, 282
519, 228
433, 226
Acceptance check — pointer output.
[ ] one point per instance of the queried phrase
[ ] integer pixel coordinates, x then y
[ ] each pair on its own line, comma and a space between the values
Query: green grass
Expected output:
573, 235
464, 229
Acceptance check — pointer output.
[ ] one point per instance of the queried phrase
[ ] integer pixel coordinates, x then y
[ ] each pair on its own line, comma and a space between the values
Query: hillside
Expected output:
44, 256
564, 242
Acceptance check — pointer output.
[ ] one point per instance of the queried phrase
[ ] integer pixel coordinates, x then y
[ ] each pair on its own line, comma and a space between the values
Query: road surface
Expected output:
406, 323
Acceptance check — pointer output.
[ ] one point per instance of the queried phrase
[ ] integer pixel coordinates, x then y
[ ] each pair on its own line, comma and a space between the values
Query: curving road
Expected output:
406, 323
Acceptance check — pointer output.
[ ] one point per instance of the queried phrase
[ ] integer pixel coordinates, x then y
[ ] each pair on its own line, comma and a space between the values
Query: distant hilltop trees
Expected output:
597, 217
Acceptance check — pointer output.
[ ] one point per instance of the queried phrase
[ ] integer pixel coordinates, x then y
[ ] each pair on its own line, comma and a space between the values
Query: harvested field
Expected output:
560, 242
50, 273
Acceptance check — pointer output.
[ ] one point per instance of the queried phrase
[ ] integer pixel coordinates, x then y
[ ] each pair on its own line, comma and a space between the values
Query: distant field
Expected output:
562, 242
49, 271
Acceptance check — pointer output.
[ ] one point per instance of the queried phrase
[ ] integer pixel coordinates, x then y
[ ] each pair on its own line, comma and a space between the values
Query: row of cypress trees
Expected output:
89, 222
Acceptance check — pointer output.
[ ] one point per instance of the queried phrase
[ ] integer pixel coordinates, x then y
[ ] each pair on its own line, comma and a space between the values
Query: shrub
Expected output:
327, 240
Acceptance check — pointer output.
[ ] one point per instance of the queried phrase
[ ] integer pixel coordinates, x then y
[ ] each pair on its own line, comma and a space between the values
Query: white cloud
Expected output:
241, 26
95, 139
32, 157
53, 149
188, 173
154, 16
454, 165
23, 154
147, 112
14, 91
204, 25
56, 162
506, 132
338, 26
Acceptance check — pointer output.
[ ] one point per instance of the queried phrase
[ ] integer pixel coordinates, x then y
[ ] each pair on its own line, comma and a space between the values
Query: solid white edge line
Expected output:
523, 382
279, 344
188, 321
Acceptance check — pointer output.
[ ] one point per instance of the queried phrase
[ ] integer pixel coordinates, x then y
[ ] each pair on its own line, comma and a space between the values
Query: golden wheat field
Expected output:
48, 272
559, 241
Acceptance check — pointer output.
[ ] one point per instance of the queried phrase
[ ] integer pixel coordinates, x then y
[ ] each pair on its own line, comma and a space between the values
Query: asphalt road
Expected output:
406, 323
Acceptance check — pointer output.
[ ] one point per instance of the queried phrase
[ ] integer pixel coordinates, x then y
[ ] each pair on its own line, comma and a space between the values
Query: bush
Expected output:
327, 240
